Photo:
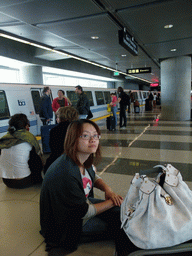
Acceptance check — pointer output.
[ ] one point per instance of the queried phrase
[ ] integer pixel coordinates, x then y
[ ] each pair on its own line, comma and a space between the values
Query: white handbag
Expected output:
155, 217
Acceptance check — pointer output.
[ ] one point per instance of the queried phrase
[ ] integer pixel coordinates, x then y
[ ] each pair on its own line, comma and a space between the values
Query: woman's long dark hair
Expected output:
18, 122
74, 131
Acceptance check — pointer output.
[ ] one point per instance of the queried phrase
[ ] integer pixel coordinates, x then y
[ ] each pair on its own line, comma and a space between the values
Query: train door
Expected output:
36, 96
4, 113
101, 106
21, 102
140, 99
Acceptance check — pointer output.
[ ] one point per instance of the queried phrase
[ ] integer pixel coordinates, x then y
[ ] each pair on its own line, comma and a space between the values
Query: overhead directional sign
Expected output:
128, 42
139, 70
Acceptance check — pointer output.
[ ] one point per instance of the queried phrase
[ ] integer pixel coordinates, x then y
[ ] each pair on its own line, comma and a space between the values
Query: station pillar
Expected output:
176, 89
31, 74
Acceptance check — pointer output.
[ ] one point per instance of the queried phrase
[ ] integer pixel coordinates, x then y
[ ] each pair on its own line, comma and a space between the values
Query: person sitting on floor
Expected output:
65, 115
69, 213
20, 158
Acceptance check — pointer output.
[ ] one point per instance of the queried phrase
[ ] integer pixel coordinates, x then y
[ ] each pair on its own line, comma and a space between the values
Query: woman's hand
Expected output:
117, 199
109, 194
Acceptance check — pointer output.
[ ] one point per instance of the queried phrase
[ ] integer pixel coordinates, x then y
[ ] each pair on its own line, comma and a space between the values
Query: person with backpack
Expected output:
123, 105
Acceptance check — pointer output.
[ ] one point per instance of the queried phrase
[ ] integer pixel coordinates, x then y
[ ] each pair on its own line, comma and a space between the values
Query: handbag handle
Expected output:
148, 187
171, 174
168, 168
150, 171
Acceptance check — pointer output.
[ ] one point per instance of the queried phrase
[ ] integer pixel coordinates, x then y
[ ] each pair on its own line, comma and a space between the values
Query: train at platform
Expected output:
25, 98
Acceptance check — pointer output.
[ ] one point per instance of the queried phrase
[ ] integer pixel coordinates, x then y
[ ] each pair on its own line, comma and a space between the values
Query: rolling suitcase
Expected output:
110, 123
45, 131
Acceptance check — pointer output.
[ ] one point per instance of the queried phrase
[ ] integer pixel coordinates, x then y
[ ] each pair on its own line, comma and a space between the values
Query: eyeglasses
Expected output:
88, 137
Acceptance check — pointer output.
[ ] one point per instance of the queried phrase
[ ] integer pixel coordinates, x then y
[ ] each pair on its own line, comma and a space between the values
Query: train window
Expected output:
36, 100
107, 97
4, 110
73, 97
99, 97
90, 97
144, 95
135, 95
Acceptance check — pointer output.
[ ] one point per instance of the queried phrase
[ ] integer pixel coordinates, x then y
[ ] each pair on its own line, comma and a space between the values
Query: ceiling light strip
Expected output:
68, 55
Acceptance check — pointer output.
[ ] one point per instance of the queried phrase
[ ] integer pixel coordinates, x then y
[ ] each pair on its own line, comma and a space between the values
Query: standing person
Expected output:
113, 105
60, 101
83, 106
65, 115
68, 211
128, 110
132, 99
46, 112
150, 100
123, 106
158, 99
20, 158
154, 99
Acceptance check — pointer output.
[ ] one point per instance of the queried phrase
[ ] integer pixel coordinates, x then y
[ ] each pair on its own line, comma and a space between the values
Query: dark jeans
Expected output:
123, 116
106, 226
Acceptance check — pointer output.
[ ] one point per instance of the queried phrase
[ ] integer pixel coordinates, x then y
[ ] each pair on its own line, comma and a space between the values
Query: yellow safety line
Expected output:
94, 120
102, 117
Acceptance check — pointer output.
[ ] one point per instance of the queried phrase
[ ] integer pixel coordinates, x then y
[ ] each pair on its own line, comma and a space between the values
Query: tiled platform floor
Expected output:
145, 142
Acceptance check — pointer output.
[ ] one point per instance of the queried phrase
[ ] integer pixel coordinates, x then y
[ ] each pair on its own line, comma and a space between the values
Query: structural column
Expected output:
31, 74
176, 88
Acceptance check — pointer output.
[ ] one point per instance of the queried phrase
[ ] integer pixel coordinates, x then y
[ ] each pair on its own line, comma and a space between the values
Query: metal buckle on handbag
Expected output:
167, 197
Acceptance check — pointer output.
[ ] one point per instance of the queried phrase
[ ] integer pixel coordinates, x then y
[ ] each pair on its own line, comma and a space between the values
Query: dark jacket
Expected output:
150, 96
56, 142
123, 102
83, 105
63, 203
46, 107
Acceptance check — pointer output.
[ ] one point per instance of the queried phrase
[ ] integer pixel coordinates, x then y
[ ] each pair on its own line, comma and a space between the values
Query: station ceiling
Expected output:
69, 25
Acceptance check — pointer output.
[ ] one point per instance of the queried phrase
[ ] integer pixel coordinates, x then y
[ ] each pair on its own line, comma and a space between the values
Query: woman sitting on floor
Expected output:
21, 164
68, 212
65, 115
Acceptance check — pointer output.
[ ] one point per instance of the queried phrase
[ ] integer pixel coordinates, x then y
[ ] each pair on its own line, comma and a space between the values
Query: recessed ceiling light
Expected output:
123, 55
168, 26
94, 37
173, 50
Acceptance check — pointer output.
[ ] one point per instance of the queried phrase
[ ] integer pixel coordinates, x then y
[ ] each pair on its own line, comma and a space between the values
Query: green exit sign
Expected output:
116, 73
